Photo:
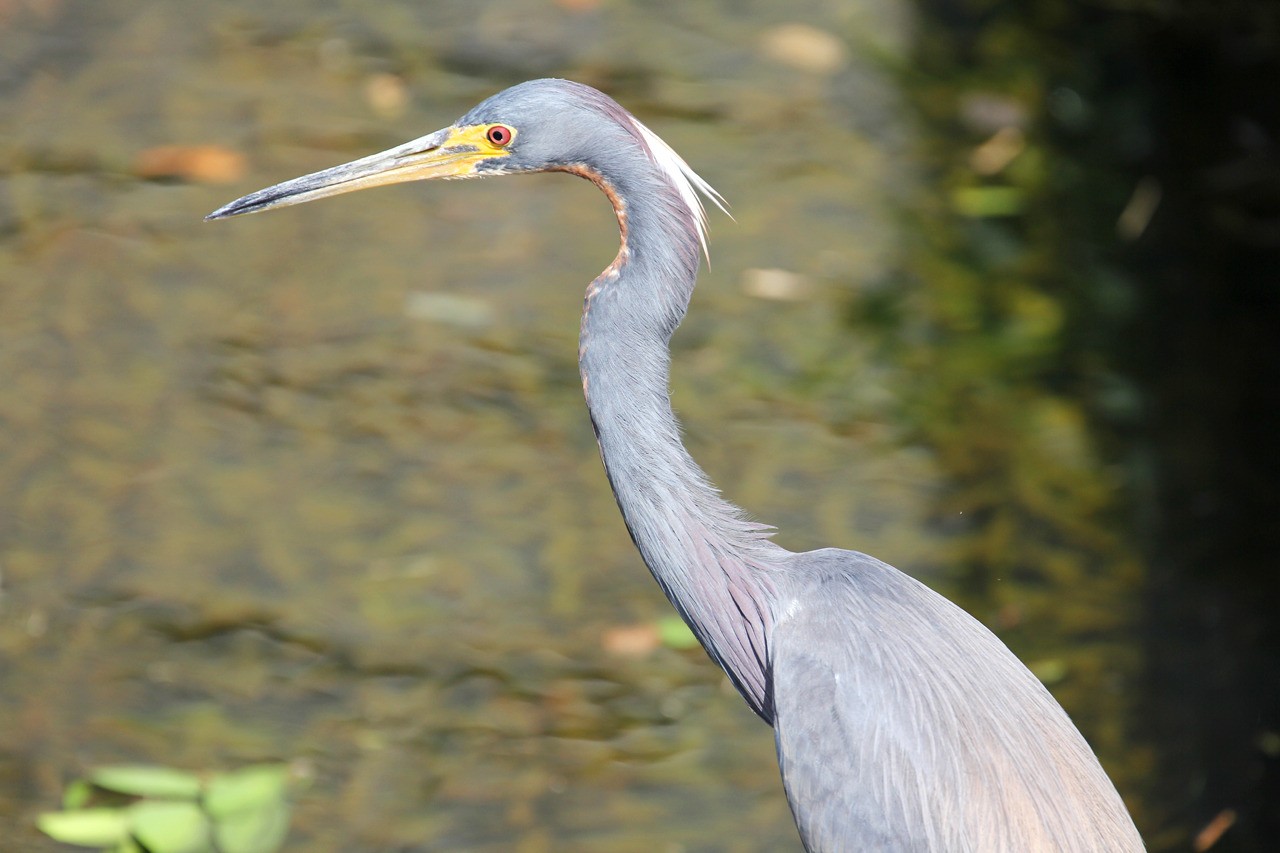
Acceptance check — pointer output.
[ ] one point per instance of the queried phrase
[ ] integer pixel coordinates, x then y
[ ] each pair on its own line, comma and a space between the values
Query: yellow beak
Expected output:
449, 153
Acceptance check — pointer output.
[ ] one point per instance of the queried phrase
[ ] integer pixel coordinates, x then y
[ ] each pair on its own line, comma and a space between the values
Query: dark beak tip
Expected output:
221, 213
230, 209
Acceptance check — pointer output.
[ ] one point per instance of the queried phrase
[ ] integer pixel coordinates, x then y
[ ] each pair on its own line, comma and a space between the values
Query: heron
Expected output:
901, 722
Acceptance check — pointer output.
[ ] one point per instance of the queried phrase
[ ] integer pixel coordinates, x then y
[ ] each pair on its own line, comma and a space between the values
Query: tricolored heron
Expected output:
901, 722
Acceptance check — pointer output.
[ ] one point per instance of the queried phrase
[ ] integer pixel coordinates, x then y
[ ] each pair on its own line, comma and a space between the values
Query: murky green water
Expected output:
267, 496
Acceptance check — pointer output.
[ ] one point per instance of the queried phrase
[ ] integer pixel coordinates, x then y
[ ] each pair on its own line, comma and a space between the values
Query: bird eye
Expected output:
499, 135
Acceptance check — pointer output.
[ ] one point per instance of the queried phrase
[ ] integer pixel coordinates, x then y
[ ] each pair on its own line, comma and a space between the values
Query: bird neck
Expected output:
715, 566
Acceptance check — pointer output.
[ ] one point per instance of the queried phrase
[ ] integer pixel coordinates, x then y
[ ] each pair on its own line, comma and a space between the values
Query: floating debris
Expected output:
632, 641
200, 164
387, 95
805, 48
779, 285
465, 312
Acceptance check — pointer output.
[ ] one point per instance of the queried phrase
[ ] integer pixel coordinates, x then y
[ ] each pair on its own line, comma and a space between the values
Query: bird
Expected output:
901, 722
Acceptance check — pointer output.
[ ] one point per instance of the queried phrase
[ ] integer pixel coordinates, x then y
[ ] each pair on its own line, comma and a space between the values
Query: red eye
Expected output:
499, 135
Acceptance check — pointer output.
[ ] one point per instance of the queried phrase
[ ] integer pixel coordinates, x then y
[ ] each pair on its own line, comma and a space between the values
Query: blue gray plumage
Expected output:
901, 722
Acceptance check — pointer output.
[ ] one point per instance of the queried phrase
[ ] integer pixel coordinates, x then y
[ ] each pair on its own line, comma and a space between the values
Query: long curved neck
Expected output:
714, 565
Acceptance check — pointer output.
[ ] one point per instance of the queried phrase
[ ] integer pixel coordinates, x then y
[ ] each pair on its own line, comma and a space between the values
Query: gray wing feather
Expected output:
903, 724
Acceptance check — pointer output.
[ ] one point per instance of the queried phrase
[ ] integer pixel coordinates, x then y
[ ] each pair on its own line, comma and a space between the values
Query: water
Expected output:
319, 485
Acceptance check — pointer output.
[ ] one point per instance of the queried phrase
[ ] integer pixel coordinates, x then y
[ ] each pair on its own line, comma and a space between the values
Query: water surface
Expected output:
318, 485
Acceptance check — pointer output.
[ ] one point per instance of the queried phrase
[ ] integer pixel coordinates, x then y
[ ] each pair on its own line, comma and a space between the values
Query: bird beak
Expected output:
449, 153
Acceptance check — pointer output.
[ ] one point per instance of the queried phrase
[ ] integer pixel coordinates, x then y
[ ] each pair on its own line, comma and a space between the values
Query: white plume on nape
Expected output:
686, 181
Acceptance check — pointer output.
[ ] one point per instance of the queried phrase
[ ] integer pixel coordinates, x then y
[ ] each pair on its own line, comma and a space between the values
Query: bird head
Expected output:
541, 125
537, 126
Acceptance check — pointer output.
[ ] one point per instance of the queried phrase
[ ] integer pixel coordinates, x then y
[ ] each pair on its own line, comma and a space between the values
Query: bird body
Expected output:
901, 722
980, 758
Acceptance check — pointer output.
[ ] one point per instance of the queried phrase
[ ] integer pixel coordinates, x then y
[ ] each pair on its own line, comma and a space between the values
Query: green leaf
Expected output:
77, 795
674, 634
86, 827
251, 788
141, 781
1050, 671
170, 827
981, 202
261, 830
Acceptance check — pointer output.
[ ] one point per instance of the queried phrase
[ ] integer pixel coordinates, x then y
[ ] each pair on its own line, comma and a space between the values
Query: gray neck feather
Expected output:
717, 567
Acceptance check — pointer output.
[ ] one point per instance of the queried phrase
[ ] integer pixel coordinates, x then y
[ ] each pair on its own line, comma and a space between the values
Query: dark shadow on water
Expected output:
1158, 132
1206, 351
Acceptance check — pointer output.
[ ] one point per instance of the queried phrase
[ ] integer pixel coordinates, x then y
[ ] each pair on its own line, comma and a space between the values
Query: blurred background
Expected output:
998, 305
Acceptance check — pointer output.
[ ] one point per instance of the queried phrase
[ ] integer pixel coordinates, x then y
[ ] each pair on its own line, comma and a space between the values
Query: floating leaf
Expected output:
77, 795
86, 827
675, 634
246, 811
170, 827
251, 788
143, 781
260, 830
